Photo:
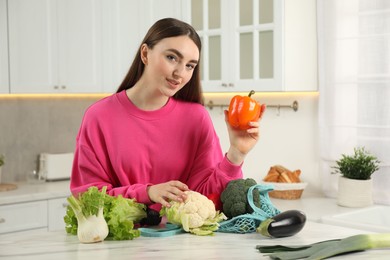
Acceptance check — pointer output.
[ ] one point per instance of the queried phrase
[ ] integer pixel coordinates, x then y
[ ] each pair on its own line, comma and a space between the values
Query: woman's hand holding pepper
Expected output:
242, 141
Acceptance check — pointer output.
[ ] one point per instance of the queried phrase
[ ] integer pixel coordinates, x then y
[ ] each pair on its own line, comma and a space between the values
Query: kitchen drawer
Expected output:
23, 216
57, 211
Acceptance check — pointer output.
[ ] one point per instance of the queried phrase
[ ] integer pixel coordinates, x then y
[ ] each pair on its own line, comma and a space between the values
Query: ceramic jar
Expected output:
354, 193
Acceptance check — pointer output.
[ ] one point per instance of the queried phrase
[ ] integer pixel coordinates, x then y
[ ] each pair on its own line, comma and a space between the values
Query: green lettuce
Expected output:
120, 214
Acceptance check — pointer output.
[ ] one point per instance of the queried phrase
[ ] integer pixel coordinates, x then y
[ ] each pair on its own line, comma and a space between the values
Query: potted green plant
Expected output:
355, 183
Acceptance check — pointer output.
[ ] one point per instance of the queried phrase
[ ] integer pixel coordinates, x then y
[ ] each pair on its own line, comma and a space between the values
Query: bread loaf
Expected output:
279, 173
272, 176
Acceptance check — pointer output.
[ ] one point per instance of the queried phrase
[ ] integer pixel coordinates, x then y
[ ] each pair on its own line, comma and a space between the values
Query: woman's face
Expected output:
170, 64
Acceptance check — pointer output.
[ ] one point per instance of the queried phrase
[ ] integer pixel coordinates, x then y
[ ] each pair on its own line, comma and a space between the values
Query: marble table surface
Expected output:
44, 245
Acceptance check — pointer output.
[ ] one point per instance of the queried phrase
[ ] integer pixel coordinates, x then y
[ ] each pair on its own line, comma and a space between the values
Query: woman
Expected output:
153, 139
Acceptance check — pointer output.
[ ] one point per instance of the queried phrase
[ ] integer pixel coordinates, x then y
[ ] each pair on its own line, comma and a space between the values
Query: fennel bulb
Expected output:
91, 228
121, 214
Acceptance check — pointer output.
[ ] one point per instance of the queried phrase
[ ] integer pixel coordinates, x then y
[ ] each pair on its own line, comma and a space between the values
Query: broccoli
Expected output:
234, 197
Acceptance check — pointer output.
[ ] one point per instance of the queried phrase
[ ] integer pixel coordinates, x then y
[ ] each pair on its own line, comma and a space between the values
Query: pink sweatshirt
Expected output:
127, 149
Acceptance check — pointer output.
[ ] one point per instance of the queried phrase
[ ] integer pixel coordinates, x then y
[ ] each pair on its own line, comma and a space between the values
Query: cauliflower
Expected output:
196, 214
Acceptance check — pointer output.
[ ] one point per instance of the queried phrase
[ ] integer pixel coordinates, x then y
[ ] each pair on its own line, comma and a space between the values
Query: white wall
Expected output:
287, 138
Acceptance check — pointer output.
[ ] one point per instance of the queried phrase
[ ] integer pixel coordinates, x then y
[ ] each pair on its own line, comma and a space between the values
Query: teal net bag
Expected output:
247, 223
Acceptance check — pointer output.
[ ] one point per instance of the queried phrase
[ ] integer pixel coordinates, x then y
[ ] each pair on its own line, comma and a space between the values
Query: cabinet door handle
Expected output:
63, 87
224, 85
2, 220
231, 85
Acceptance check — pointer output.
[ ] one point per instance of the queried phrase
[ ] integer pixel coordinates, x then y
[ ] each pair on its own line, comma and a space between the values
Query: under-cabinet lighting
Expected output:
52, 96
262, 94
206, 95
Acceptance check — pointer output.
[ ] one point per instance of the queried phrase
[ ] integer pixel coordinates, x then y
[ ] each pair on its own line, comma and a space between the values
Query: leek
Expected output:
328, 248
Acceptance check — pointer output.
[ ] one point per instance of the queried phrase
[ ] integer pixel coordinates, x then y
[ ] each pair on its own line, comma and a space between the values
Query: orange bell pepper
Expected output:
242, 110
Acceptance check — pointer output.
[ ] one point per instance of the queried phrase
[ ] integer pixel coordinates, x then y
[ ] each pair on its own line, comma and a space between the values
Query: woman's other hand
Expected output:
242, 141
167, 191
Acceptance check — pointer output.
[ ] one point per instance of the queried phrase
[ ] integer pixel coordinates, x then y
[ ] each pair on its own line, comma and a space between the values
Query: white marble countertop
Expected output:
43, 245
315, 206
26, 192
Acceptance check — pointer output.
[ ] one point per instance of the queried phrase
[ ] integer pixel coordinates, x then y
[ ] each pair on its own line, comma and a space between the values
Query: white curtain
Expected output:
354, 71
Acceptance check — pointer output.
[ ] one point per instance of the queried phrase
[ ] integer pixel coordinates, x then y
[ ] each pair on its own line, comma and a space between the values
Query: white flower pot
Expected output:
354, 193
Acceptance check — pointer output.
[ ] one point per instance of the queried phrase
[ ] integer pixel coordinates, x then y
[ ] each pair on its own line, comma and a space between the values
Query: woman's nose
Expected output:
178, 71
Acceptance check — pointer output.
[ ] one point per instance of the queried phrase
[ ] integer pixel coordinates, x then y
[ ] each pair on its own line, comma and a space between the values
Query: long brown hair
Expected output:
165, 28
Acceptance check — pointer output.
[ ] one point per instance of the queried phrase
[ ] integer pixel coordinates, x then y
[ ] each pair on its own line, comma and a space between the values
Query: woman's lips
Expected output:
173, 83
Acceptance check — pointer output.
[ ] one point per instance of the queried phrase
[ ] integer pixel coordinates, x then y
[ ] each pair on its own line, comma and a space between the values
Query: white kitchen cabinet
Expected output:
56, 213
4, 79
23, 216
55, 46
121, 28
34, 206
153, 10
300, 67
41, 214
125, 23
265, 45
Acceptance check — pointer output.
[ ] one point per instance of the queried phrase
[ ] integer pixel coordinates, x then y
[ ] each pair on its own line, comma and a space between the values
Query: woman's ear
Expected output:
144, 53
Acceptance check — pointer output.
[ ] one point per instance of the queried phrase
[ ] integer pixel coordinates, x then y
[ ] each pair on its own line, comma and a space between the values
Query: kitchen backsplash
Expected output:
33, 125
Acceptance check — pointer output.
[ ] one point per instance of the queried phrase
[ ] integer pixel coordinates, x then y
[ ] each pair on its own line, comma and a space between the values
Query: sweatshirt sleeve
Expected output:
211, 170
88, 171
92, 165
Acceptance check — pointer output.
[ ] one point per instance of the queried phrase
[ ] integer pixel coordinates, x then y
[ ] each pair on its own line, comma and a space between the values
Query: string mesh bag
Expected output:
247, 223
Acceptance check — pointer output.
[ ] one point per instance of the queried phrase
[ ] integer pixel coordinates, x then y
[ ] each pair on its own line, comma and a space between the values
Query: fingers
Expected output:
263, 108
254, 127
226, 112
168, 191
178, 184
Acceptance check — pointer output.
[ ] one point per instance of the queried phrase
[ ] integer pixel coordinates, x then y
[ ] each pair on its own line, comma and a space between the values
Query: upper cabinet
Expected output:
4, 82
55, 46
125, 23
265, 45
299, 45
71, 46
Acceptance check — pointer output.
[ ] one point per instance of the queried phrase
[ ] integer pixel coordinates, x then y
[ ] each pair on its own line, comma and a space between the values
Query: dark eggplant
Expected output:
153, 218
285, 224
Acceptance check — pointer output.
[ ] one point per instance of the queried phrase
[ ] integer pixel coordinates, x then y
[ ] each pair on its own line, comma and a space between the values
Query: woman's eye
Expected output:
171, 57
190, 66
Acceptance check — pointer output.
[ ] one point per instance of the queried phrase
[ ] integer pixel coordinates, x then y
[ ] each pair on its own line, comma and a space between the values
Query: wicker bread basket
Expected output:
287, 191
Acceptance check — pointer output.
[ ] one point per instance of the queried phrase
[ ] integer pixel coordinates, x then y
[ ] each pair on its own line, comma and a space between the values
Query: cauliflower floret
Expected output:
189, 207
203, 205
195, 210
193, 213
194, 221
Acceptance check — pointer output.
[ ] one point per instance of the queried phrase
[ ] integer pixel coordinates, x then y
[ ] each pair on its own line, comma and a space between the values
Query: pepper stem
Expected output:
251, 93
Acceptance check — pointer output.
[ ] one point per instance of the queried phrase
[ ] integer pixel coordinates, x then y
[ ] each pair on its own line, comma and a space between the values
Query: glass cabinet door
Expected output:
206, 19
239, 43
256, 33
